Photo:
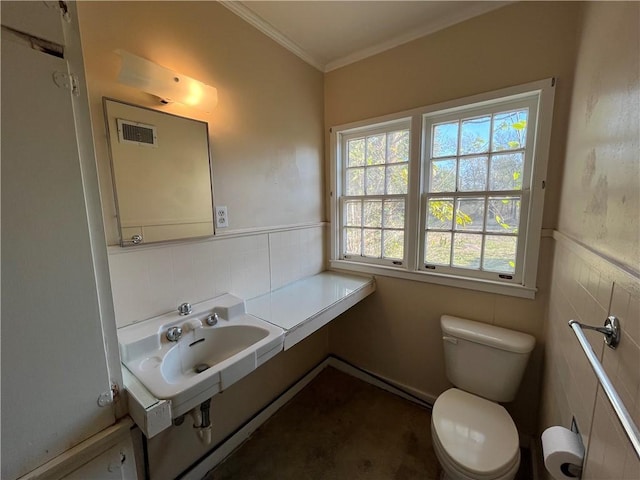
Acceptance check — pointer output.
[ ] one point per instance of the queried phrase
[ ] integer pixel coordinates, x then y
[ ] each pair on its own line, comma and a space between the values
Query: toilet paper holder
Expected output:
571, 470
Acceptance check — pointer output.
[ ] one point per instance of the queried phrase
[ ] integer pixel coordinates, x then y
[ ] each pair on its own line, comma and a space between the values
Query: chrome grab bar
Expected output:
611, 324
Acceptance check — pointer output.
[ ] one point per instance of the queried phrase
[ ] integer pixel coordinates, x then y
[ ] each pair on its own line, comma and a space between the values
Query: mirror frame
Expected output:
108, 132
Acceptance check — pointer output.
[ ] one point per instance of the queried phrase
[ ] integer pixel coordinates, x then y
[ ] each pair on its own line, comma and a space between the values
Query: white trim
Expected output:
245, 232
404, 391
622, 274
270, 31
243, 434
222, 451
91, 187
478, 9
532, 196
75, 457
477, 284
470, 101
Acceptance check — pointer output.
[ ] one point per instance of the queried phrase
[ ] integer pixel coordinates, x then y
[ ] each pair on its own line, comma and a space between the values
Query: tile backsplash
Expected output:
153, 280
588, 288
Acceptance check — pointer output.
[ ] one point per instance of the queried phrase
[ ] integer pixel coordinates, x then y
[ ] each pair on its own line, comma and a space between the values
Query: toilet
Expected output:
474, 437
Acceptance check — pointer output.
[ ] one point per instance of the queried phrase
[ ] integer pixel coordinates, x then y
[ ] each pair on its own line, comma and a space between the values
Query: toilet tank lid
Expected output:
485, 334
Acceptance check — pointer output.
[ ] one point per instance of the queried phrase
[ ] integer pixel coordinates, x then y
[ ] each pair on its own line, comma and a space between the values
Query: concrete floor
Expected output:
341, 428
338, 427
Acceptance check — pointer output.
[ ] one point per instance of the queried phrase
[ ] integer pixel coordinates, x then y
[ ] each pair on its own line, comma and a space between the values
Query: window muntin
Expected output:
474, 201
500, 148
375, 186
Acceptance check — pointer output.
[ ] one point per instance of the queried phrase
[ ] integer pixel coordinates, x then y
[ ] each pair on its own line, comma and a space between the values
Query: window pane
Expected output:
440, 213
475, 135
355, 153
510, 130
372, 243
398, 144
375, 181
473, 174
355, 181
353, 241
372, 213
500, 253
503, 214
469, 214
376, 149
397, 179
506, 171
437, 248
445, 140
466, 250
393, 214
353, 209
443, 176
393, 245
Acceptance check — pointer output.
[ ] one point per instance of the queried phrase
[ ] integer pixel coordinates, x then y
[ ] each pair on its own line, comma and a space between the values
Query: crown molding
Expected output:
265, 27
269, 30
412, 35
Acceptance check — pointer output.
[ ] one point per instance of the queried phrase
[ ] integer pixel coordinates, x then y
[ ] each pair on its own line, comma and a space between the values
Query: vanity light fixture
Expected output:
165, 84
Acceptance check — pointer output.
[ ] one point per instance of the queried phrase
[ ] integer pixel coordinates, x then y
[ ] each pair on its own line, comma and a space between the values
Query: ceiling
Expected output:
331, 34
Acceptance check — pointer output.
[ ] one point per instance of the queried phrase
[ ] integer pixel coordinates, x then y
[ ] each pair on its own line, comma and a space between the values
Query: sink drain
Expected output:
201, 367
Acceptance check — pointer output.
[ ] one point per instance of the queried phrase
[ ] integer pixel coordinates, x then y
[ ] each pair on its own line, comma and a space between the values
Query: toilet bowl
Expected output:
474, 437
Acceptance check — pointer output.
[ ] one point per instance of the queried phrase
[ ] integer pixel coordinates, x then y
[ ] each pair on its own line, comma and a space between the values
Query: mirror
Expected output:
161, 174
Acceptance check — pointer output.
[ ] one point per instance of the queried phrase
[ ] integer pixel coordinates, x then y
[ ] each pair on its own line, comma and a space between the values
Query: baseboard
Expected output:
408, 393
228, 446
241, 435
536, 454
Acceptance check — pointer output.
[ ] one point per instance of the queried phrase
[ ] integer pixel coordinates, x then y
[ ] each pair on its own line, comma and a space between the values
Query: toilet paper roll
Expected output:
563, 452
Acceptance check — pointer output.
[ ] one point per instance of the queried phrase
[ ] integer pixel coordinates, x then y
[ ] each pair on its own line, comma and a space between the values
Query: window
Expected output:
375, 179
451, 193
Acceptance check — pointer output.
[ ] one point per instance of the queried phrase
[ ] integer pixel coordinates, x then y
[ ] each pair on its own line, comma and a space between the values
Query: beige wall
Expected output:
396, 332
266, 132
267, 155
600, 192
599, 209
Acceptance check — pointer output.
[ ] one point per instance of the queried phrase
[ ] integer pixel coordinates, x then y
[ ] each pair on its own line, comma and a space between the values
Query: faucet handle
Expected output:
185, 309
212, 319
174, 334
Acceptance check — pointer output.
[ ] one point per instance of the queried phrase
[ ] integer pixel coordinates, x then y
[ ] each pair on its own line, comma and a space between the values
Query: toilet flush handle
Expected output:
453, 340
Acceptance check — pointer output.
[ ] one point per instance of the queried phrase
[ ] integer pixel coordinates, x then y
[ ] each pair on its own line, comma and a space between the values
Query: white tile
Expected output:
193, 272
142, 284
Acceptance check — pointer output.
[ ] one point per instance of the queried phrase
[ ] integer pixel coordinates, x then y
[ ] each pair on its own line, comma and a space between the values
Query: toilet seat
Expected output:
474, 437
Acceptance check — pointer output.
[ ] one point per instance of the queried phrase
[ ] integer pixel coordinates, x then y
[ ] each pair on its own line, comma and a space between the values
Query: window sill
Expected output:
437, 278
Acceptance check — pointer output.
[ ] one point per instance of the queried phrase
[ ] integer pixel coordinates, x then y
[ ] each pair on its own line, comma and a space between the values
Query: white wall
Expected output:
156, 279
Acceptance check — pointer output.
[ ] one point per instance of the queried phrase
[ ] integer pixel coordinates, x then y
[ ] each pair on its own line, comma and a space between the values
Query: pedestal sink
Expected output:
205, 359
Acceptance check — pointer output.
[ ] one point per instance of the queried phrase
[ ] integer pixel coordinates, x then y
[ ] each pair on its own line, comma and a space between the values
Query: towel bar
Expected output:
611, 330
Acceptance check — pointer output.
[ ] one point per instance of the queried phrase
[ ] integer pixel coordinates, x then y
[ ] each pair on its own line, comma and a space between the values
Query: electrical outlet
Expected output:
222, 220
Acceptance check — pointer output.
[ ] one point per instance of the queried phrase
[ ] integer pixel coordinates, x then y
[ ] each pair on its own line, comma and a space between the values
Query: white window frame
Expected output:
400, 124
521, 285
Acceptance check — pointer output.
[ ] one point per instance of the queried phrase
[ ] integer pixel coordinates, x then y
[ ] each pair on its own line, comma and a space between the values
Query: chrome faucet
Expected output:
174, 334
184, 309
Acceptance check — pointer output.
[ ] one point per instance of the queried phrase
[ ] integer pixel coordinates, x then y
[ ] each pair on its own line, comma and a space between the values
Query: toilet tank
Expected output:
483, 359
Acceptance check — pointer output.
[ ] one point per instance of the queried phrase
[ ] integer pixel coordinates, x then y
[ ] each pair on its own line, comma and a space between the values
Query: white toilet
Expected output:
474, 437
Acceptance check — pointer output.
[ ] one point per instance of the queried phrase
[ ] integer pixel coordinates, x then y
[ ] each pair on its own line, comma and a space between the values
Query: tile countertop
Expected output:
303, 307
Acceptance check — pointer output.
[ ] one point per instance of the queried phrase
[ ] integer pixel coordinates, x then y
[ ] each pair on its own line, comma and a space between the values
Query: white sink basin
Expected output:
205, 359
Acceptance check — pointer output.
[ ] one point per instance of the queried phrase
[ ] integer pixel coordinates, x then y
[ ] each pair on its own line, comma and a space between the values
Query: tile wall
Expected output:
153, 280
586, 287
